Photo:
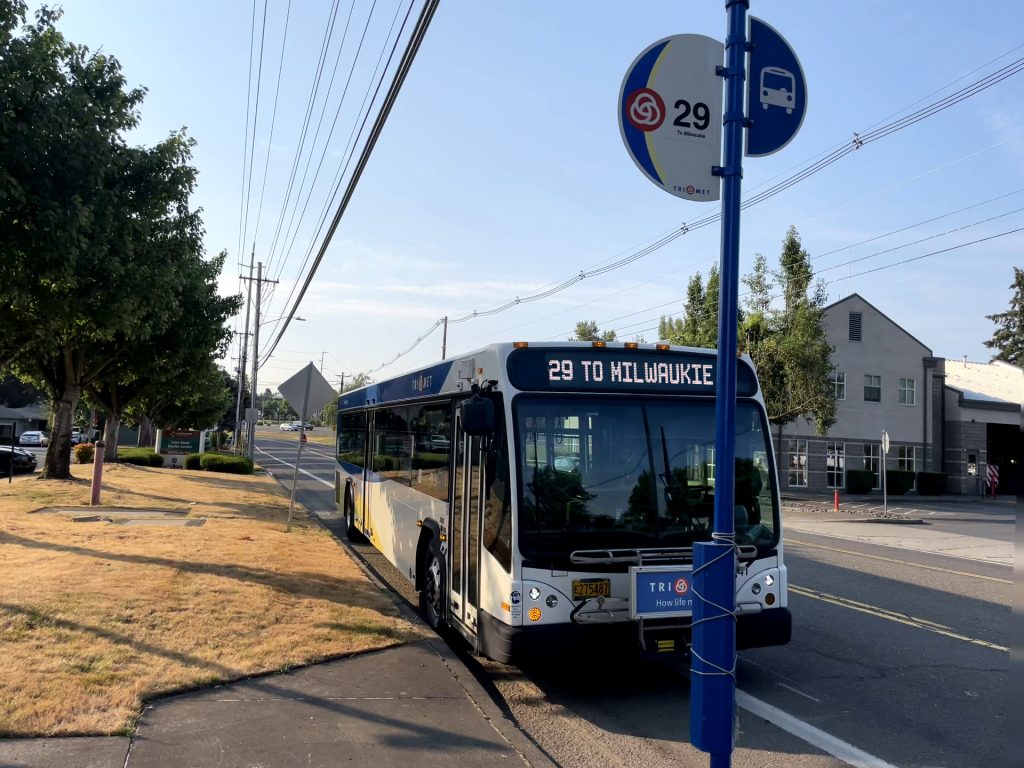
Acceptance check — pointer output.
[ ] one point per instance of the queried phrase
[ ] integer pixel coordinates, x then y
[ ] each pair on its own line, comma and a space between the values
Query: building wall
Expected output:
885, 350
964, 439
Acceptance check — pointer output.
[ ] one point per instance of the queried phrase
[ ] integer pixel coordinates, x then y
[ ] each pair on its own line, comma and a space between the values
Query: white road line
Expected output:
799, 692
805, 731
292, 466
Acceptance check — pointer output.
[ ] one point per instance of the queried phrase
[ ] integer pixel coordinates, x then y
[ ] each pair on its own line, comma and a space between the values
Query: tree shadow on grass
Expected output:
342, 591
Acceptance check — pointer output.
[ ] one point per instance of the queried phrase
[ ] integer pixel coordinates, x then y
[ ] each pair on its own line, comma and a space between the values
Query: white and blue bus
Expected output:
527, 489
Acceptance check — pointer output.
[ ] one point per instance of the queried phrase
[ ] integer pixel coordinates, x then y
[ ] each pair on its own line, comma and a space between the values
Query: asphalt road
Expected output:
898, 658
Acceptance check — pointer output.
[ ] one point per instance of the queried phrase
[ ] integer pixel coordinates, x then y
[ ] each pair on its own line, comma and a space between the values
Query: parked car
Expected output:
78, 436
289, 426
34, 437
19, 460
440, 443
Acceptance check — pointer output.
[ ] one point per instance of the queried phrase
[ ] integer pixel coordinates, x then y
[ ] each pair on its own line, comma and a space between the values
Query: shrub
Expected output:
84, 452
860, 480
898, 481
931, 483
192, 461
234, 465
143, 457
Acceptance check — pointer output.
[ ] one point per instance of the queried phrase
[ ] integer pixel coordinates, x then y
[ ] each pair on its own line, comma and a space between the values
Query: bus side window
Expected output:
498, 501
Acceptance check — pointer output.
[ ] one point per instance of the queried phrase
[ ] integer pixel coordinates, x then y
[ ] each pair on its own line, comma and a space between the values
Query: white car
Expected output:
34, 438
289, 426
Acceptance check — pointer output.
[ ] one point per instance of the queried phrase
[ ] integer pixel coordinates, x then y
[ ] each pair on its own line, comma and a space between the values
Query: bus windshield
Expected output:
614, 473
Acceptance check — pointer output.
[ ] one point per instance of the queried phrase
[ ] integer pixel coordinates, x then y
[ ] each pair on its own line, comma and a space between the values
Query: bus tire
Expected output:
351, 532
435, 586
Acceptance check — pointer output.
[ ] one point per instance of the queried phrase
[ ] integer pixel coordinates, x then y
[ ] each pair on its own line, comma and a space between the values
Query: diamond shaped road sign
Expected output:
307, 391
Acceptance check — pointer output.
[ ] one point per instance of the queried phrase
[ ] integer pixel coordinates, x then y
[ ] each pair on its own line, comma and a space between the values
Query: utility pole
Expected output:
322, 360
241, 367
444, 338
341, 383
256, 351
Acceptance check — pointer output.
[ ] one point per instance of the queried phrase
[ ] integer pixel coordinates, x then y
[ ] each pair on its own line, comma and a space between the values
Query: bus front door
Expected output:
464, 551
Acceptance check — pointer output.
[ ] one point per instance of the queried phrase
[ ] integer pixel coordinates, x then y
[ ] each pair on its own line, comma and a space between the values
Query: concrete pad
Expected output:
398, 707
80, 752
914, 537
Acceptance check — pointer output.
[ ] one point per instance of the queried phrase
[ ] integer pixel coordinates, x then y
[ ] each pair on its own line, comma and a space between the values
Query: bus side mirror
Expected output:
477, 416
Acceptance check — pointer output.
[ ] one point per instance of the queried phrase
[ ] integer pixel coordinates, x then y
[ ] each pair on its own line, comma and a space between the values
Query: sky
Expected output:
501, 170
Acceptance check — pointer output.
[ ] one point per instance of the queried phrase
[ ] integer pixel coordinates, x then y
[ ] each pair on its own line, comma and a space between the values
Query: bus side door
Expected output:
464, 552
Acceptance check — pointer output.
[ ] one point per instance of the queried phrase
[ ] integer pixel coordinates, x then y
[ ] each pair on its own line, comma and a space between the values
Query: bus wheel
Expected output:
351, 532
434, 587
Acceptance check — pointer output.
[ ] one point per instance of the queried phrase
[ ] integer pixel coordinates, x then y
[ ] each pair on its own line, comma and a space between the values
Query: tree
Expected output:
93, 232
586, 330
1008, 338
195, 336
787, 343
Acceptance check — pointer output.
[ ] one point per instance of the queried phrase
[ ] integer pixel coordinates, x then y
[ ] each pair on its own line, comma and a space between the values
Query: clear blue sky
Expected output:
501, 169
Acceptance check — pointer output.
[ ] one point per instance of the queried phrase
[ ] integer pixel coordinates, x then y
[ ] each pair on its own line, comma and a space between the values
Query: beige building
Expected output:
940, 416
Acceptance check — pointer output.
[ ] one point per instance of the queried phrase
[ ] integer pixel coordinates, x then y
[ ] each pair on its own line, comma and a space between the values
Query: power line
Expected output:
255, 122
857, 142
420, 30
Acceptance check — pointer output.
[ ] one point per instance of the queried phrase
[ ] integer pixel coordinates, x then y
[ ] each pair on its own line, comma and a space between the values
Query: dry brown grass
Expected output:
96, 617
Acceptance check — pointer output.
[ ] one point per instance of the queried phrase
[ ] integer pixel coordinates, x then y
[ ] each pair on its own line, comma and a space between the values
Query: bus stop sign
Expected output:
776, 91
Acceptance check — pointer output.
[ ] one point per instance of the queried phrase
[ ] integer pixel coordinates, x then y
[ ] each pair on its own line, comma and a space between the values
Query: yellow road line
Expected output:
900, 618
788, 540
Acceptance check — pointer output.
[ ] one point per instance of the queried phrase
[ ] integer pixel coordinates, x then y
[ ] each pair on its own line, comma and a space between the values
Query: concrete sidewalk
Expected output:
413, 705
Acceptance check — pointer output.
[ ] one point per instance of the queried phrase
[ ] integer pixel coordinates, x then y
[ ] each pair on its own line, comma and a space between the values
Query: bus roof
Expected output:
579, 366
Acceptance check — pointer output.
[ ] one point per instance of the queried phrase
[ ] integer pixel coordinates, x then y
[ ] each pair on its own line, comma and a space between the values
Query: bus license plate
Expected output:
591, 588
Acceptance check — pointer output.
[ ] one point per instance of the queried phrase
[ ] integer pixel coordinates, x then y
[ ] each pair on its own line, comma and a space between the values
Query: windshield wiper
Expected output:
674, 508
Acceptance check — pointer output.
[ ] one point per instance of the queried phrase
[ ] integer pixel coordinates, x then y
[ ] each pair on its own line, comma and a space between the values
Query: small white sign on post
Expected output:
306, 391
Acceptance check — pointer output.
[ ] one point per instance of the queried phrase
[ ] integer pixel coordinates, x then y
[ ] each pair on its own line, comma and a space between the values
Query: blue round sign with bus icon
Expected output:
776, 91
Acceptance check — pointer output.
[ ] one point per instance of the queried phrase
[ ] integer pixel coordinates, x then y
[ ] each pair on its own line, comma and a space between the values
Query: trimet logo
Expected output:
681, 586
645, 109
421, 382
692, 190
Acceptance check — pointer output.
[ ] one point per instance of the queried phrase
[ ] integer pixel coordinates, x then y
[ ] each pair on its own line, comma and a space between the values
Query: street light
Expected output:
282, 317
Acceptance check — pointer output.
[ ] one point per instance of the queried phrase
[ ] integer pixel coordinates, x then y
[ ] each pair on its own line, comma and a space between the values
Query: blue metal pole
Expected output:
713, 691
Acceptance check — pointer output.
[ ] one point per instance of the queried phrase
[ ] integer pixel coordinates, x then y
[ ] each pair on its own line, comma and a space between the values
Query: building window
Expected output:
906, 458
798, 463
872, 462
907, 394
856, 320
839, 385
835, 465
872, 388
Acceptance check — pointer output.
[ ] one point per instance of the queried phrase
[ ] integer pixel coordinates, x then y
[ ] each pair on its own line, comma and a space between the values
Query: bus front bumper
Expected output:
505, 643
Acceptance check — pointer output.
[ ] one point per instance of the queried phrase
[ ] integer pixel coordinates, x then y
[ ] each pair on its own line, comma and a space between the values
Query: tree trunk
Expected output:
110, 433
57, 465
145, 432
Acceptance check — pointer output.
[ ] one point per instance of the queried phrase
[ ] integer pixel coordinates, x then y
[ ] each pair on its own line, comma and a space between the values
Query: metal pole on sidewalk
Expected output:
713, 658
302, 441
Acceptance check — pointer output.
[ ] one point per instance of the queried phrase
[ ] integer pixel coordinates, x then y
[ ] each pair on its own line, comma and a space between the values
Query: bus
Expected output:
533, 493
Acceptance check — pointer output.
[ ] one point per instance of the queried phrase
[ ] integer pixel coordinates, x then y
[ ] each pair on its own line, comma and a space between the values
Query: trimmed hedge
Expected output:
898, 481
860, 480
192, 461
931, 483
84, 452
143, 457
234, 465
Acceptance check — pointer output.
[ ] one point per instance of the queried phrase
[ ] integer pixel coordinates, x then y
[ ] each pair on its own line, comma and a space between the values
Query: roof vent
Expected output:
855, 326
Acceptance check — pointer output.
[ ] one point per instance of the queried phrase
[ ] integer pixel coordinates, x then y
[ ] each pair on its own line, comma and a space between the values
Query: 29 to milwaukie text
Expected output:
628, 372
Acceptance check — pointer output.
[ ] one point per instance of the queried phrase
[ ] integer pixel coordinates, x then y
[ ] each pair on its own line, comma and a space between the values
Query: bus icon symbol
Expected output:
778, 88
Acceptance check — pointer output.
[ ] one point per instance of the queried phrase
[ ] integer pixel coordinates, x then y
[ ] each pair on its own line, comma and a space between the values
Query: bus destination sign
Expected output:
620, 370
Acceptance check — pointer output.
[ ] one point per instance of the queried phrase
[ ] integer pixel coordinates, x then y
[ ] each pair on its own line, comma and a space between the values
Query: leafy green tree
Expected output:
587, 330
195, 336
93, 232
787, 343
1008, 338
193, 399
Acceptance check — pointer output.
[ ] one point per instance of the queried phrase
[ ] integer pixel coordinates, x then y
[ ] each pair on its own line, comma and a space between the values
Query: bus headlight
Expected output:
552, 601
756, 588
534, 593
769, 580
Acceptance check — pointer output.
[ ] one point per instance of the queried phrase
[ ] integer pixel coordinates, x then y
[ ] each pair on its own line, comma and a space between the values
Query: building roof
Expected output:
881, 314
31, 412
986, 382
